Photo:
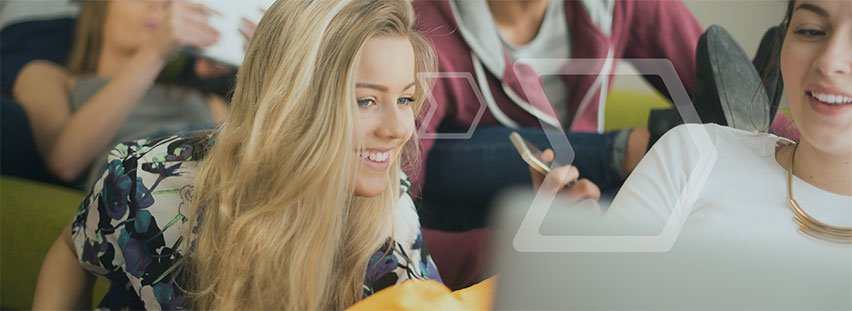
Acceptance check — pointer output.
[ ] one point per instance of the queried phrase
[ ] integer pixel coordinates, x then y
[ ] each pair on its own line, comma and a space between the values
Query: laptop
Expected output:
570, 262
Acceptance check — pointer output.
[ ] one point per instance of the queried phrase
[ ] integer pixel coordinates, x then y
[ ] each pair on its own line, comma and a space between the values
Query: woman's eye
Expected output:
810, 33
366, 102
405, 100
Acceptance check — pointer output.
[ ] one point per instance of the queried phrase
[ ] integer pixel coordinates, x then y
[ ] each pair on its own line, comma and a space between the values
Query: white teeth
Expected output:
831, 98
374, 156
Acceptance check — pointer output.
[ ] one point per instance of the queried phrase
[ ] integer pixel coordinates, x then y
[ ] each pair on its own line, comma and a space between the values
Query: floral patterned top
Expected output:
128, 228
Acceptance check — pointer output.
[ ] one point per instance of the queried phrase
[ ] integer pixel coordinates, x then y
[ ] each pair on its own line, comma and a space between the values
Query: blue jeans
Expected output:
464, 175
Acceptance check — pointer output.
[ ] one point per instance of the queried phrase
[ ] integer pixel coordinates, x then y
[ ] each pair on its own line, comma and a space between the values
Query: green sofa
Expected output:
32, 215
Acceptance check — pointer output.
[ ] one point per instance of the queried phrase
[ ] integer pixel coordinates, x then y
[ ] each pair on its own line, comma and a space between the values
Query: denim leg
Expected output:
463, 176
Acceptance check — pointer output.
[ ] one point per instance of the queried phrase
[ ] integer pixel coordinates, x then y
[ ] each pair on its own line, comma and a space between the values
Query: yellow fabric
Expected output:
630, 109
429, 295
32, 215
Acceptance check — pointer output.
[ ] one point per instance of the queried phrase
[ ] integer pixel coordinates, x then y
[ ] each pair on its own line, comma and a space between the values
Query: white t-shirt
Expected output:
552, 41
734, 244
723, 178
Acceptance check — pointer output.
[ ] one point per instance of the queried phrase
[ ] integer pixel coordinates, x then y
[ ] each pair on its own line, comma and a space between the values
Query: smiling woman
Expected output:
298, 202
816, 61
385, 91
796, 190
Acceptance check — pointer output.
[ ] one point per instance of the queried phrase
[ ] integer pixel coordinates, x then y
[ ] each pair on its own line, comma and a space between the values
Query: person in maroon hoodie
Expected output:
489, 42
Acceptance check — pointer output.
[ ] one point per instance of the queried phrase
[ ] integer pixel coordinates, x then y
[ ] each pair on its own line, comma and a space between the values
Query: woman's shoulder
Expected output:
685, 143
717, 139
190, 147
41, 73
132, 220
144, 179
44, 67
148, 174
155, 168
692, 149
715, 135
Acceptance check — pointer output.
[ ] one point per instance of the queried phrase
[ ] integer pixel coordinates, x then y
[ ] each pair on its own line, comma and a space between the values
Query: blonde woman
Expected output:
107, 93
296, 203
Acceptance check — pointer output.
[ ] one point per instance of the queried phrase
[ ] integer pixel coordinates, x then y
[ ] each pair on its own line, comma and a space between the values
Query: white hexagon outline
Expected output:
432, 106
528, 238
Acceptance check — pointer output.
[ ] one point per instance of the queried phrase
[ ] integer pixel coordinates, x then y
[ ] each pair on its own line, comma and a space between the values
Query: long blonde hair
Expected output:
279, 225
88, 37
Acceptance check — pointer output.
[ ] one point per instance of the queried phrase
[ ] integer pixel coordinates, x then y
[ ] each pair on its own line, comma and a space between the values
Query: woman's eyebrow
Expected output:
410, 85
380, 87
813, 8
377, 87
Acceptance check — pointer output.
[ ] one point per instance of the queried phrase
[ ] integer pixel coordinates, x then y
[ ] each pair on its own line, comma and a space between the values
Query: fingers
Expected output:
190, 15
563, 175
547, 155
205, 68
247, 28
190, 25
584, 189
197, 7
199, 35
195, 12
536, 176
565, 180
560, 177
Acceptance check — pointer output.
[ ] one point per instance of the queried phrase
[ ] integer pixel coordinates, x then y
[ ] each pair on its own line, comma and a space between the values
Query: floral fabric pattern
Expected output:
128, 228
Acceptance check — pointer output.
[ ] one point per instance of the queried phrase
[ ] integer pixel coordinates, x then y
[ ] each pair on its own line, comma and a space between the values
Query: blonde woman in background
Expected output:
298, 202
108, 93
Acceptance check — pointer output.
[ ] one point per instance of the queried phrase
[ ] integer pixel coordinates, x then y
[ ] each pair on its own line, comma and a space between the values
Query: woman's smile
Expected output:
378, 159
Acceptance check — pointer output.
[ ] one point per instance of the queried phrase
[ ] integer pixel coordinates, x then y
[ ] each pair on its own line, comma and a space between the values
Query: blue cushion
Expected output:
18, 154
26, 41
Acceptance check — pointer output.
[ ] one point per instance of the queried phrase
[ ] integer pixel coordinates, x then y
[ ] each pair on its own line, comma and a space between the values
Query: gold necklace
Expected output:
807, 224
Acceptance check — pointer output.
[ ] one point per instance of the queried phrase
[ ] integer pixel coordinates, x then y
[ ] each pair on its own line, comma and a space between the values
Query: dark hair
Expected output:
769, 67
775, 56
789, 15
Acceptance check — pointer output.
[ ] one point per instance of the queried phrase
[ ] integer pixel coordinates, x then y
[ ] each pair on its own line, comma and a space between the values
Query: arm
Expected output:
62, 282
664, 29
69, 142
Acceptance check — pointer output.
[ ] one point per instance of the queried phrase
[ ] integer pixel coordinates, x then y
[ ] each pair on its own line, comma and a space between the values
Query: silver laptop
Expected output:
568, 263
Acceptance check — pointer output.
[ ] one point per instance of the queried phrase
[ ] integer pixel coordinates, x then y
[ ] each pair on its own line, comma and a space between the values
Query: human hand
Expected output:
185, 24
247, 28
564, 180
206, 68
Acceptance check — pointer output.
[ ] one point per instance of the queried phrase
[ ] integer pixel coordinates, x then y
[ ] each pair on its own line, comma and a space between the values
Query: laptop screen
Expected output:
575, 259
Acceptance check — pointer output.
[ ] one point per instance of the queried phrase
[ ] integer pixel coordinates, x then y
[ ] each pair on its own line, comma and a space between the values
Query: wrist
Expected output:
151, 57
146, 64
